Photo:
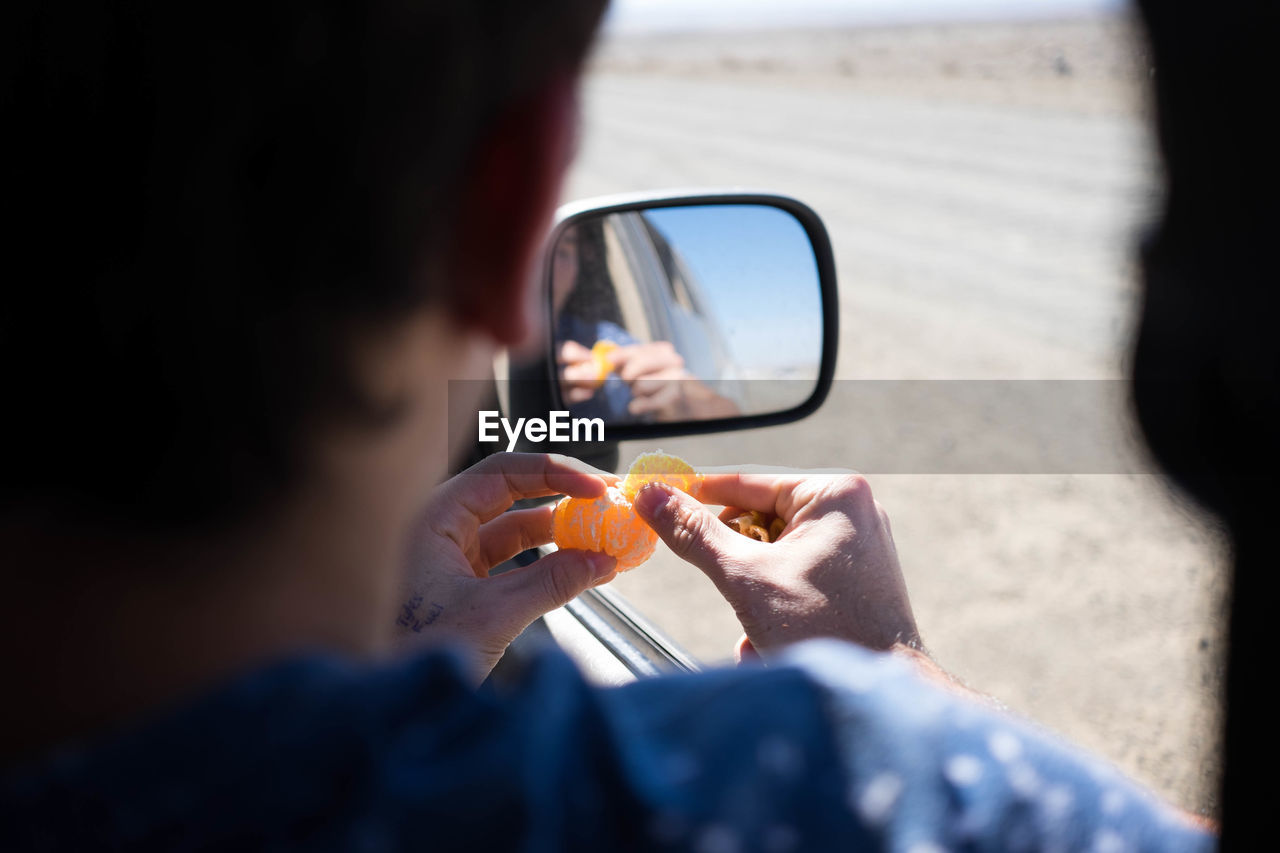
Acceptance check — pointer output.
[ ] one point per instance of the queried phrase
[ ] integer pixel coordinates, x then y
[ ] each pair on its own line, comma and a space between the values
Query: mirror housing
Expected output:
710, 322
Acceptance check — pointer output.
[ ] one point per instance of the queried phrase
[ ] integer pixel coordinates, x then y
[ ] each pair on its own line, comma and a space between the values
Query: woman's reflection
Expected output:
604, 370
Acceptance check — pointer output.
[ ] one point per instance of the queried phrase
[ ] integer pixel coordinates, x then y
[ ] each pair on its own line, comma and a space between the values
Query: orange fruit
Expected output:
600, 355
659, 467
609, 523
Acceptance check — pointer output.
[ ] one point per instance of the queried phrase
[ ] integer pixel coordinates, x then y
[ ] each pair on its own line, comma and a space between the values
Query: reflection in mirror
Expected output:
685, 313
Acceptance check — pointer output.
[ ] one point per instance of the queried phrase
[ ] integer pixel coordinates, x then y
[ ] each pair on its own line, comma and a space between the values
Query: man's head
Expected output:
235, 227
1207, 356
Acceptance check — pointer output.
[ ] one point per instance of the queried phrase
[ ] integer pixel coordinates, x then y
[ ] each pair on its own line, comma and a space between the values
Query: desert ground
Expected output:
984, 187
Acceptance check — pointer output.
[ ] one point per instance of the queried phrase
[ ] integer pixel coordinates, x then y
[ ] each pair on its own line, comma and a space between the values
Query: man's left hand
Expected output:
466, 530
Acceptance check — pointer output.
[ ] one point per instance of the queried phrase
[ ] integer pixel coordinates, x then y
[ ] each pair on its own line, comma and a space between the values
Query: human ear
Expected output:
506, 203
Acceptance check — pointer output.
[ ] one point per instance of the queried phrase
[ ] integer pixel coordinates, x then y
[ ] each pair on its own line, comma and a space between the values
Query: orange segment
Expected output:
607, 524
660, 467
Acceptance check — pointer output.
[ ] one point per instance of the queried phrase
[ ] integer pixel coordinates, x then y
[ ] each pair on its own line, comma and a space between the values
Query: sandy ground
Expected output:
982, 187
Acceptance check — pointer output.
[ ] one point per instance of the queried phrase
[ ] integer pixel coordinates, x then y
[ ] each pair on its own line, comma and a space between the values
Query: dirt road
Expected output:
976, 238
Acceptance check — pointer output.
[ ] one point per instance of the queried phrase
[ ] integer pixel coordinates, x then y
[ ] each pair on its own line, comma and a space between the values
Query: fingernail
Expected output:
586, 468
652, 498
601, 564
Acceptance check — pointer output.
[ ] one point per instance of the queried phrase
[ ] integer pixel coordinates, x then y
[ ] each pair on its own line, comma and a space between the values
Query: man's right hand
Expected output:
579, 375
833, 572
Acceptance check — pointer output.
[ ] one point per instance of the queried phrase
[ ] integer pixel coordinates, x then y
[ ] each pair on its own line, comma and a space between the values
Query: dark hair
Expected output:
207, 200
1207, 359
593, 298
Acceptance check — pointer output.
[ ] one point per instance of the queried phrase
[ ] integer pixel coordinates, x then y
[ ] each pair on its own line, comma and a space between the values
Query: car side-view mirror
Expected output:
686, 313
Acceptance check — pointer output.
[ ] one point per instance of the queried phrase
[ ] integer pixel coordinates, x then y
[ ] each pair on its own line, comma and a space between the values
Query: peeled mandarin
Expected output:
607, 523
659, 467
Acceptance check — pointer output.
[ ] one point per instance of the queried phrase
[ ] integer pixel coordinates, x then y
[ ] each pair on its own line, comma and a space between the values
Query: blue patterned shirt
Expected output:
832, 748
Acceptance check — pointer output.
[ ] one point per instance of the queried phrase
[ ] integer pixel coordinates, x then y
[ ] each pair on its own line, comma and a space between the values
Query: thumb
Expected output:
744, 653
547, 583
690, 530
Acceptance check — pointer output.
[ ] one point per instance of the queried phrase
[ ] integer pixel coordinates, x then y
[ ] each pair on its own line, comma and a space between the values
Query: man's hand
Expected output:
661, 385
579, 374
833, 572
465, 531
655, 372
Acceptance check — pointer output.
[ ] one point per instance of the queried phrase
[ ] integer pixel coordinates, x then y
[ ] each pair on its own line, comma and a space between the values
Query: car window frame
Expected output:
604, 634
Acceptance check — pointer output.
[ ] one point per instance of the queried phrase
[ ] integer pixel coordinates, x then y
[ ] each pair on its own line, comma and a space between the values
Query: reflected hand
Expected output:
466, 530
833, 572
662, 386
579, 373
655, 372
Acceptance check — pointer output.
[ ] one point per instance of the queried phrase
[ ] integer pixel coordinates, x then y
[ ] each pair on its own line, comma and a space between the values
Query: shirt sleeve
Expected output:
930, 771
835, 749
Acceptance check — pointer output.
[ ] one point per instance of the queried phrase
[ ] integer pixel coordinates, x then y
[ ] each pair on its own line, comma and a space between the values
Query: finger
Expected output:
662, 381
778, 491
585, 371
578, 394
744, 652
691, 530
655, 398
553, 581
572, 352
644, 361
639, 359
777, 470
509, 534
769, 493
660, 378
488, 488
655, 371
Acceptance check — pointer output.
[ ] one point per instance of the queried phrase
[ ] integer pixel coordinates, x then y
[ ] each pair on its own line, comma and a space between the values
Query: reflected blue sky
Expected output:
758, 271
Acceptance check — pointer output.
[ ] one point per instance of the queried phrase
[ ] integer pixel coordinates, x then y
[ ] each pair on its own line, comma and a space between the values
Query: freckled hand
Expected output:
467, 528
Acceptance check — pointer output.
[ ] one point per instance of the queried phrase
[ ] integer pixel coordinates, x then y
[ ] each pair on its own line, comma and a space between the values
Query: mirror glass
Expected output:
685, 313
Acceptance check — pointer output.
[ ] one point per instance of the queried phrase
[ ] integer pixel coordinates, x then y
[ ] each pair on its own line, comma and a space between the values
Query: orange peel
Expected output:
756, 525
609, 523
